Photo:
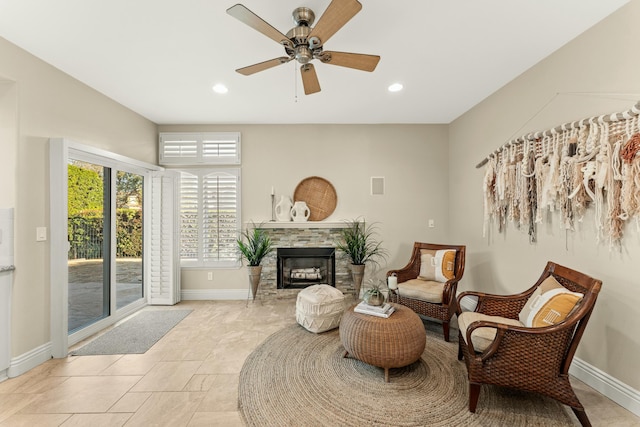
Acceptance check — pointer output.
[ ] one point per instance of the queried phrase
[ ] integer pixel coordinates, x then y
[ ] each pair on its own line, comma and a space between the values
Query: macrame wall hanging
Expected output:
591, 163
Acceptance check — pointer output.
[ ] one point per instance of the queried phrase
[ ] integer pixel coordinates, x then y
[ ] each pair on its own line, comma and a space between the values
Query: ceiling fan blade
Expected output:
243, 14
309, 79
261, 66
338, 13
359, 61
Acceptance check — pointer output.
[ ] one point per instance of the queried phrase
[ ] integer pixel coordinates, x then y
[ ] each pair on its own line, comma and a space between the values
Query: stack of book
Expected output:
384, 310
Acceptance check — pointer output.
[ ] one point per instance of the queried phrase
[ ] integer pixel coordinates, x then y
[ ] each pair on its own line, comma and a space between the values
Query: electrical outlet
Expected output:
432, 223
210, 275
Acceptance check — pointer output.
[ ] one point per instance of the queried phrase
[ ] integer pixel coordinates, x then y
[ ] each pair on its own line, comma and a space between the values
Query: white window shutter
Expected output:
220, 217
189, 218
209, 217
164, 269
194, 149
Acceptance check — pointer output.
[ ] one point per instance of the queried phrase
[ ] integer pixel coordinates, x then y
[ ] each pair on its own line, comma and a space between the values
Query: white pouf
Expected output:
319, 308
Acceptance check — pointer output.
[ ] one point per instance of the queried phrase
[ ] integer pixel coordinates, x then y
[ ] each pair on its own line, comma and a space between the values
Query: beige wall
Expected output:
8, 142
411, 158
578, 81
48, 103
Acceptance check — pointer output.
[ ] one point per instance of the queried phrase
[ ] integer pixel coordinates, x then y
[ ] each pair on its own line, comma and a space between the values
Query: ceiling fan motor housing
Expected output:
303, 17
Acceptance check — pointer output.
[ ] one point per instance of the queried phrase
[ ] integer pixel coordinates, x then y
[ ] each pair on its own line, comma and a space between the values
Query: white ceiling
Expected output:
160, 58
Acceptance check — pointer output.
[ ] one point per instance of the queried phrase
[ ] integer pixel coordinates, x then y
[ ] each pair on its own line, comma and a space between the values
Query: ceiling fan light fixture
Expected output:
303, 54
395, 87
220, 88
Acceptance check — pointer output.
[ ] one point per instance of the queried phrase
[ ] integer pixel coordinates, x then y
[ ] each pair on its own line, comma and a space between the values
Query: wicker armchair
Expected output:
445, 307
533, 359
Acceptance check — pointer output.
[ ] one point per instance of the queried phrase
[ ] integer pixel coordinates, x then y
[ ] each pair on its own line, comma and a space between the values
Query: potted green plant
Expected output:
254, 244
373, 294
358, 240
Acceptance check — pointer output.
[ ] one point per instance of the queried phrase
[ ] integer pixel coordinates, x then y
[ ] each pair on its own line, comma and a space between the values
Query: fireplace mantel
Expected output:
300, 224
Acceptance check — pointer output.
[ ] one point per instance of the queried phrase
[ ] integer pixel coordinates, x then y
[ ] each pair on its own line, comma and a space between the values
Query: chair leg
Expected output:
459, 351
445, 329
474, 394
582, 417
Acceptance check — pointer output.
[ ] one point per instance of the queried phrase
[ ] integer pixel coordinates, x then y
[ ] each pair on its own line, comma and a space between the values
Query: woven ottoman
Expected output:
319, 308
386, 343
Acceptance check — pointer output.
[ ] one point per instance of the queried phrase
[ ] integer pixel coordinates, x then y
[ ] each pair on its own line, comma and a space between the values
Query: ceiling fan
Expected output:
304, 43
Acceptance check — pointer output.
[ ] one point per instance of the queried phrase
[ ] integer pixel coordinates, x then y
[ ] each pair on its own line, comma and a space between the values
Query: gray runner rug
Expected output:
136, 335
298, 378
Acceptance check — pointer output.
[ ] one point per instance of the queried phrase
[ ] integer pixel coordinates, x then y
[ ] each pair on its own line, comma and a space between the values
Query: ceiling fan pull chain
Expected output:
295, 84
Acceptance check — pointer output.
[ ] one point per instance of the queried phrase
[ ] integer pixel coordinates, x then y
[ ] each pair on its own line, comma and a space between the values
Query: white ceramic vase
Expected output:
300, 211
283, 209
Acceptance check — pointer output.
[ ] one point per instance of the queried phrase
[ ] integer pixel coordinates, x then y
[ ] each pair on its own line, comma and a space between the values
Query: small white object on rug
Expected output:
319, 308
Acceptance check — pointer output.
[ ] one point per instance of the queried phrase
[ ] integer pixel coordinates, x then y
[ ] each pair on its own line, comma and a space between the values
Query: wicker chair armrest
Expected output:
449, 291
490, 351
500, 346
497, 305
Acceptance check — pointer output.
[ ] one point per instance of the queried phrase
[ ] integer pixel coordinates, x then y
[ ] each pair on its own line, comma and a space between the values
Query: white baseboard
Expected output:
3, 375
29, 360
213, 294
606, 385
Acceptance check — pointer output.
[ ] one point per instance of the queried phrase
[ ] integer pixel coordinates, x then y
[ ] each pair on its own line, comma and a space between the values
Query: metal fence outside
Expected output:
86, 237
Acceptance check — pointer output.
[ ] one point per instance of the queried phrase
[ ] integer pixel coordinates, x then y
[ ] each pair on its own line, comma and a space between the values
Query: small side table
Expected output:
394, 342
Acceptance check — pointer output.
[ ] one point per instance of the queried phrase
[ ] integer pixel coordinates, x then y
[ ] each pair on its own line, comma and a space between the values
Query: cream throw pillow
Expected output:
549, 304
437, 265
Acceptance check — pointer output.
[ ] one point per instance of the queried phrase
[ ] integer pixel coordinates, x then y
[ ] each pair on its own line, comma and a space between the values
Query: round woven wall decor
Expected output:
319, 195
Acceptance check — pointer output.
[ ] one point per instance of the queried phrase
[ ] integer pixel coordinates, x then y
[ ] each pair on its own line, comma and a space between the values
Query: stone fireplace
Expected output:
319, 235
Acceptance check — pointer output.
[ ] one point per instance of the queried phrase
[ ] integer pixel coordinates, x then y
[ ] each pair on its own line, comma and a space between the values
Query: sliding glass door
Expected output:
129, 226
105, 233
88, 228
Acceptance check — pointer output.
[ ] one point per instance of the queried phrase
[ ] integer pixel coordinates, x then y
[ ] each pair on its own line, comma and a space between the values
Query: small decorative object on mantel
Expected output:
300, 212
273, 199
257, 246
283, 209
319, 195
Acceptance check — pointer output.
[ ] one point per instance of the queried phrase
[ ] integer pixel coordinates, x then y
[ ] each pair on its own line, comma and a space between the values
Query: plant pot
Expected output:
357, 274
374, 299
254, 278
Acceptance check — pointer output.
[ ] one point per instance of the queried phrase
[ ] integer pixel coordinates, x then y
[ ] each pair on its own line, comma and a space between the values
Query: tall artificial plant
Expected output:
359, 242
254, 245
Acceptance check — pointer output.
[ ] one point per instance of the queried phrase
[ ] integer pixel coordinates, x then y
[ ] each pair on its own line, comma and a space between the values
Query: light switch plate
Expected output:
41, 234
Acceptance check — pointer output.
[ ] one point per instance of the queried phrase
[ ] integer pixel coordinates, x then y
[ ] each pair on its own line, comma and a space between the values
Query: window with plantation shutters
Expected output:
208, 148
210, 217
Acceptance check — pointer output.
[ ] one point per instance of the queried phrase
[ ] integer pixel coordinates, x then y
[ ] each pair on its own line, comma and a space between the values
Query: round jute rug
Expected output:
298, 378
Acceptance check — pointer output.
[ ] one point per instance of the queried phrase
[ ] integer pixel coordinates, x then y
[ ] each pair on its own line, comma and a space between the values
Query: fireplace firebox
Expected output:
301, 267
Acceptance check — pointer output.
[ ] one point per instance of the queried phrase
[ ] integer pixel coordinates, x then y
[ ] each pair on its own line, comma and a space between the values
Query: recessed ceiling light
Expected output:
220, 88
396, 87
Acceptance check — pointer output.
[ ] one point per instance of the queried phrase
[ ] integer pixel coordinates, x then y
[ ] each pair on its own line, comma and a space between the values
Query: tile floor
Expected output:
189, 378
